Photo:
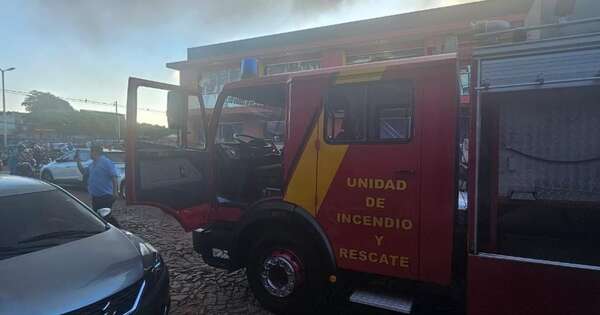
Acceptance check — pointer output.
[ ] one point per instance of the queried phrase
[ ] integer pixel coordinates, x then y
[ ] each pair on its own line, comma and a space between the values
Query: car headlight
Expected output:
151, 259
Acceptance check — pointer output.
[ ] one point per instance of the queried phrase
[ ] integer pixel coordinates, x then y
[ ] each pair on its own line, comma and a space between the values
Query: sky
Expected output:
86, 49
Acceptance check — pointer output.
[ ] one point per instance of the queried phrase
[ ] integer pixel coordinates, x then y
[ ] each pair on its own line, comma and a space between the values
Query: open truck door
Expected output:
176, 177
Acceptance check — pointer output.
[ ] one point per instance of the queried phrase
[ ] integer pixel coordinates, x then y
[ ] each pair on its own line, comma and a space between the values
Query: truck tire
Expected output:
285, 274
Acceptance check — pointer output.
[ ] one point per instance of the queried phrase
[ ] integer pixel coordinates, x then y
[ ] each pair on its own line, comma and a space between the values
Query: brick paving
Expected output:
196, 288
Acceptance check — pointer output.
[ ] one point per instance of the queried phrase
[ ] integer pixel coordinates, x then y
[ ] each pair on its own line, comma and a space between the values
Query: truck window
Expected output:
391, 111
227, 131
196, 138
252, 112
393, 123
369, 112
346, 109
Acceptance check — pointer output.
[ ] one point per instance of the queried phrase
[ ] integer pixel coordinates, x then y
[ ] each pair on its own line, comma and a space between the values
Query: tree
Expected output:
49, 112
44, 102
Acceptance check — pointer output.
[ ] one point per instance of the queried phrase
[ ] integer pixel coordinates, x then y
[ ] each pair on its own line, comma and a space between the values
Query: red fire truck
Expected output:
359, 193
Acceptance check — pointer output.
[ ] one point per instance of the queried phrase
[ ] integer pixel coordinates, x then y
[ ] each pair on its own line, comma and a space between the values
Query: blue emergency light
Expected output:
249, 68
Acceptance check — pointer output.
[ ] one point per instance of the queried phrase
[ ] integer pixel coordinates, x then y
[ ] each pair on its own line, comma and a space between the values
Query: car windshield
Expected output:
116, 157
29, 222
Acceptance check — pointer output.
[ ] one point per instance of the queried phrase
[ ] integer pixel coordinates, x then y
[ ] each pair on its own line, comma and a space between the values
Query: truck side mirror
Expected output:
176, 108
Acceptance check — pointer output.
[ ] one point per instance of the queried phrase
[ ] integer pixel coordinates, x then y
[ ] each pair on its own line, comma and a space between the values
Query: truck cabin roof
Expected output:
248, 87
269, 90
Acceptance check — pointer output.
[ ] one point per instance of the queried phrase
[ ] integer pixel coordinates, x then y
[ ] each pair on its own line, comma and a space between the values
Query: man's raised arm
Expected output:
79, 165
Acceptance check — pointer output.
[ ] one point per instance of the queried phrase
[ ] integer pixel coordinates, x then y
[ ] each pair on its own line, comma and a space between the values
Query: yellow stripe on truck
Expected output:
330, 159
301, 187
315, 171
360, 75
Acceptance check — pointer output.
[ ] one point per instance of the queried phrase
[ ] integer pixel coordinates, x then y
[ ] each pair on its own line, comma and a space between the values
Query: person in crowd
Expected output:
102, 180
12, 161
25, 161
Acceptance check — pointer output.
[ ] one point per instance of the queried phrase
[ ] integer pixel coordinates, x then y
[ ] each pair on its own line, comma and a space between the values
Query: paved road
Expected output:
196, 288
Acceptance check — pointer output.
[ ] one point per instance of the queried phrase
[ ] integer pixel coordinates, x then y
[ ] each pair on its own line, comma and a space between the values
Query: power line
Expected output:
87, 101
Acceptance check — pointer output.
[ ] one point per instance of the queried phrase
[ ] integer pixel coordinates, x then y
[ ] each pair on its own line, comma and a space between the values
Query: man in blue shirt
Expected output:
101, 178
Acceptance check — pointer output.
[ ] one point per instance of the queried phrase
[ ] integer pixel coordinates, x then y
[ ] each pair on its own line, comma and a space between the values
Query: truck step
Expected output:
394, 303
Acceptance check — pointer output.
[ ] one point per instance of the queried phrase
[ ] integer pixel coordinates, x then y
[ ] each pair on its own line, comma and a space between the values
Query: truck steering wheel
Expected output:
268, 147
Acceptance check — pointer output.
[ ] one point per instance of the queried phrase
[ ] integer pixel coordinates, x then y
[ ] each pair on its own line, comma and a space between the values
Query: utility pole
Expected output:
118, 126
4, 109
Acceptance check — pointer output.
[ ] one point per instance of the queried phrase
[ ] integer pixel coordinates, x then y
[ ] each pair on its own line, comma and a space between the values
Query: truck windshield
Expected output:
259, 113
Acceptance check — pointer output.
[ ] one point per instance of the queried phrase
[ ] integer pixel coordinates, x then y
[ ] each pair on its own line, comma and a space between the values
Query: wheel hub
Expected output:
281, 273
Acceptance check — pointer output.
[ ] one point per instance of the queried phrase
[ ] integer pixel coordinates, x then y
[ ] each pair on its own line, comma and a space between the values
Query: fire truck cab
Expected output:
362, 178
348, 176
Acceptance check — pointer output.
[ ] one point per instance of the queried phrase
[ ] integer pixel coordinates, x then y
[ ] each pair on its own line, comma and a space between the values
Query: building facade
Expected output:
442, 30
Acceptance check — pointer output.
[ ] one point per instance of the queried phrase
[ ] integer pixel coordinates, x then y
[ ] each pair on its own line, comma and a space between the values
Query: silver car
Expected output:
64, 170
57, 256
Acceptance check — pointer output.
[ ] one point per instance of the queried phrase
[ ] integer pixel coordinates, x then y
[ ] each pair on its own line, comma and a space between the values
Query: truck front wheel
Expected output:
285, 274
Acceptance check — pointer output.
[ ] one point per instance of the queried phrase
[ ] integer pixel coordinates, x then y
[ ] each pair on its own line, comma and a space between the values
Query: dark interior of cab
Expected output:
249, 169
249, 165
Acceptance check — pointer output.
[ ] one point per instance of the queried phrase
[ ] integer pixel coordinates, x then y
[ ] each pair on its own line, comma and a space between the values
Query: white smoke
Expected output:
98, 23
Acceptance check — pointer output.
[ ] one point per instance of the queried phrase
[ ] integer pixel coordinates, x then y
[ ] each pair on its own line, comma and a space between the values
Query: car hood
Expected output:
69, 276
51, 164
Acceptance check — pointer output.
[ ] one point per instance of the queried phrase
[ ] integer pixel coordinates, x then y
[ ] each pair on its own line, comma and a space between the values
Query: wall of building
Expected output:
211, 73
12, 122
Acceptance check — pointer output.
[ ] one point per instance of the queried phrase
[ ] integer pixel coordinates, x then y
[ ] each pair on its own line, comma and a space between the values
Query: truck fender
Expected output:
279, 210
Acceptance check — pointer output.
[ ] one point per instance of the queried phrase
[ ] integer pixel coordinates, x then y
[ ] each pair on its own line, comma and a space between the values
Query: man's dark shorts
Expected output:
105, 201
